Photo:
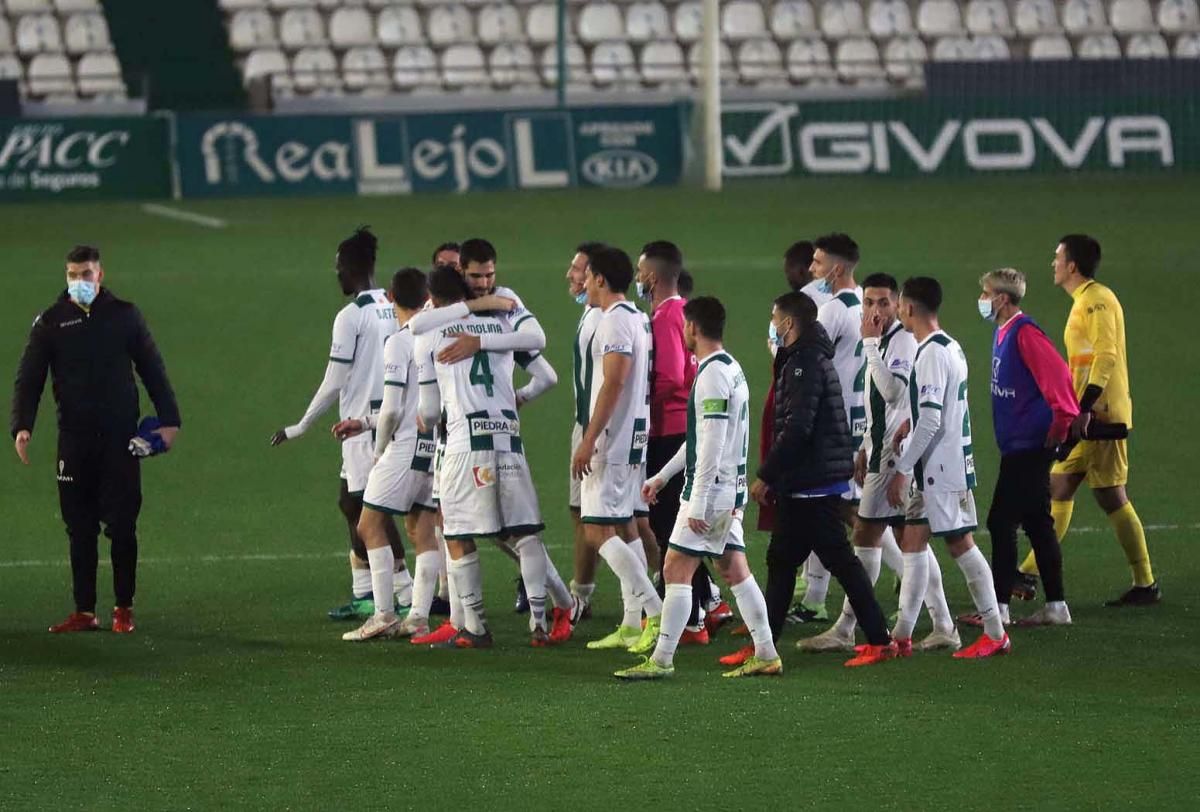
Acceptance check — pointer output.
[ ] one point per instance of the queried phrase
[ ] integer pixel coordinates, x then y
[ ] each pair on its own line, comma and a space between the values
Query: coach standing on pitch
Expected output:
92, 341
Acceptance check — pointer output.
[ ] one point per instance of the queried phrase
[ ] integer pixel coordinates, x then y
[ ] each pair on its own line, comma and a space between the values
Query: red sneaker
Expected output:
694, 638
439, 635
985, 647
718, 617
540, 638
560, 626
122, 620
77, 622
871, 655
738, 657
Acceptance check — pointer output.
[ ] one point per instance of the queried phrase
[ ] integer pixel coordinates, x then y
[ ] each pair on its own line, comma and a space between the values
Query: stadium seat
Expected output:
577, 72
760, 61
1050, 46
499, 23
1187, 47
647, 21
291, 3
99, 74
663, 63
463, 65
6, 40
72, 6
1132, 17
414, 66
808, 61
364, 70
1176, 16
742, 20
511, 64
16, 7
11, 67
939, 18
449, 25
792, 19
601, 22
841, 19
38, 33
228, 5
953, 49
301, 27
1099, 46
350, 26
695, 59
86, 32
858, 60
990, 48
1036, 17
903, 58
50, 75
399, 25
267, 62
1085, 17
688, 21
613, 64
1147, 46
252, 28
315, 70
989, 17
541, 26
889, 18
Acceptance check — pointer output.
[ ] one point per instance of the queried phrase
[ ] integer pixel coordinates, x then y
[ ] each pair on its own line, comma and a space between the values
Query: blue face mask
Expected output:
82, 292
773, 336
581, 297
825, 285
643, 292
987, 309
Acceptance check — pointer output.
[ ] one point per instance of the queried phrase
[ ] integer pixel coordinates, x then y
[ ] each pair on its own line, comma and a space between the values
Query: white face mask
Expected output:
581, 297
987, 309
643, 292
82, 291
774, 336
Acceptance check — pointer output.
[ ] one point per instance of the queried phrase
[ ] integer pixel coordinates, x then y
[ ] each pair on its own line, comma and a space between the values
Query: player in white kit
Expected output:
354, 379
611, 454
711, 507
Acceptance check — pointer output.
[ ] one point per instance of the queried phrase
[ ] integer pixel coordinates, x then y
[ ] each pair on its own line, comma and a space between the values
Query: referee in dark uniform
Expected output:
91, 342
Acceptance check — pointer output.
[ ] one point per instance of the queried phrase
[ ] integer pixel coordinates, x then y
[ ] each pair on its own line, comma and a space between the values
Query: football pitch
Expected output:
237, 691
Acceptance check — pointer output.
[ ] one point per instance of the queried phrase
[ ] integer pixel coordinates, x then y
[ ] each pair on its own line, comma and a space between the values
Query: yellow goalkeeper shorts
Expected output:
1106, 463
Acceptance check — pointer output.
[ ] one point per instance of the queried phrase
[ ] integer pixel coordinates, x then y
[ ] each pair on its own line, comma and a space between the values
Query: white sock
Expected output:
635, 584
533, 562
583, 591
677, 605
752, 606
443, 582
892, 557
912, 593
360, 583
714, 595
1056, 606
818, 582
935, 597
457, 615
429, 567
639, 552
380, 577
871, 558
555, 588
979, 581
1003, 607
404, 586
468, 580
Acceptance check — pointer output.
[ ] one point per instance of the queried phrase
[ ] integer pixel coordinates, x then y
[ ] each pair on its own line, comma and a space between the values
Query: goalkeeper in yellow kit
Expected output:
1095, 339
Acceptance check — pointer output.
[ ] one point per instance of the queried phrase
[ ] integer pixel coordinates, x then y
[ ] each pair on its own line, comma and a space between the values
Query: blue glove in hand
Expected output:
147, 443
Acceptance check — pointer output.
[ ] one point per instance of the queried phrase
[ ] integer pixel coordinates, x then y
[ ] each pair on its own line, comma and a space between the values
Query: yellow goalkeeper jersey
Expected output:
1095, 339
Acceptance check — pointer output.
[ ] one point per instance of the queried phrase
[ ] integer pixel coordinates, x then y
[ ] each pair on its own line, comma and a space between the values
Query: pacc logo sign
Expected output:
53, 157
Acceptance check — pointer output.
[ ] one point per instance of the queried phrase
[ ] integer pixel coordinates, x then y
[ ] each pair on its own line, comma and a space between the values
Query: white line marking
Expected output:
185, 216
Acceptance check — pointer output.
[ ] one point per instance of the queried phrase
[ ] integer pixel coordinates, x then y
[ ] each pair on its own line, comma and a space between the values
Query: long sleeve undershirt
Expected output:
336, 376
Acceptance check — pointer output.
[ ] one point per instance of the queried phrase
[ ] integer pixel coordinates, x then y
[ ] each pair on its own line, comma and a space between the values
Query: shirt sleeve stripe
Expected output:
341, 360
929, 405
393, 383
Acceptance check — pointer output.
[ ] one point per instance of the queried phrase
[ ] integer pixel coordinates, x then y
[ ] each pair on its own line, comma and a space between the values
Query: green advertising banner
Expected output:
84, 158
958, 137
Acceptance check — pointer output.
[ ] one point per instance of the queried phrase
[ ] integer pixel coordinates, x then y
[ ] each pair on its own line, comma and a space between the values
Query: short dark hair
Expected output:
446, 284
614, 266
799, 254
708, 314
924, 291
798, 306
476, 250
446, 246
686, 284
410, 288
663, 250
83, 253
588, 248
881, 280
1084, 251
357, 252
838, 244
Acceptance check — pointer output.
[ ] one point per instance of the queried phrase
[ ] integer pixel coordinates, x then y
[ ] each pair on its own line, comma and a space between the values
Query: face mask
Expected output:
825, 285
643, 292
82, 292
773, 336
581, 297
986, 309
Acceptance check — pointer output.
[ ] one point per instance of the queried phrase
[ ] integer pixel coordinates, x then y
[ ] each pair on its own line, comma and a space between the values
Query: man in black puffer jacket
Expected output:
806, 470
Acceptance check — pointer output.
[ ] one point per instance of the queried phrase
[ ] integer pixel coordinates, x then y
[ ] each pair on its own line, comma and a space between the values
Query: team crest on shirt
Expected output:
483, 475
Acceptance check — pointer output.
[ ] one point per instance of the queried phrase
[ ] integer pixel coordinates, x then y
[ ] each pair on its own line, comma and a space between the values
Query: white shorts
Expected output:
948, 513
724, 533
873, 504
358, 457
854, 495
641, 508
573, 498
611, 493
488, 493
395, 487
439, 456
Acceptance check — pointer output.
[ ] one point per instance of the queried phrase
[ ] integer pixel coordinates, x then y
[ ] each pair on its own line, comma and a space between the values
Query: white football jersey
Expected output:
897, 349
841, 317
400, 370
939, 384
583, 367
625, 330
359, 332
718, 435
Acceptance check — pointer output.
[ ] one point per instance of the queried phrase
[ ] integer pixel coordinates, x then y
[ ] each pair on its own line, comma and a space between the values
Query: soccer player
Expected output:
709, 520
611, 452
446, 254
1095, 339
401, 482
941, 467
354, 379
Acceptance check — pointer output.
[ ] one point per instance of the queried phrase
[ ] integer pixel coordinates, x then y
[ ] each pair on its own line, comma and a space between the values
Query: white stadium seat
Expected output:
808, 60
760, 61
939, 18
301, 27
688, 21
695, 59
601, 22
16, 7
1085, 17
37, 33
1099, 46
841, 19
252, 28
1132, 17
791, 19
989, 17
6, 40
953, 49
613, 64
1050, 46
351, 26
743, 19
449, 25
292, 3
1147, 46
541, 26
1187, 47
647, 21
414, 66
86, 32
663, 63
1036, 17
991, 47
267, 62
364, 70
858, 60
315, 70
512, 63
463, 65
889, 18
70, 6
50, 75
499, 23
99, 74
228, 5
399, 25
1175, 16
577, 72
903, 58
11, 67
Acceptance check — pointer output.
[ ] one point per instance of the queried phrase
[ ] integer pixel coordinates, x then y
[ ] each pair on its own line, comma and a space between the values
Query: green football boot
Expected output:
649, 636
356, 609
623, 637
647, 669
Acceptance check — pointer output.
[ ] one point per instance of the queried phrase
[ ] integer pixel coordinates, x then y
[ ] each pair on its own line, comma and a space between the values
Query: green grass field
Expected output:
236, 691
